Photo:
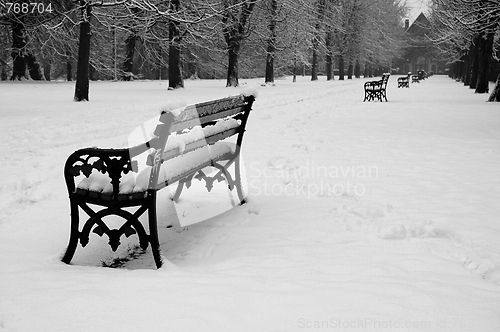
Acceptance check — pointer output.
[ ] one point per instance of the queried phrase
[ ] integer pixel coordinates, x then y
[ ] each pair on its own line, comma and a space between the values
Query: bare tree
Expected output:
495, 94
465, 33
271, 42
281, 36
235, 23
23, 18
174, 69
82, 70
317, 37
382, 38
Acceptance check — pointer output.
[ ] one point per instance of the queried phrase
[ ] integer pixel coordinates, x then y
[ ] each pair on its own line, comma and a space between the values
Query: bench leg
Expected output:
131, 226
238, 182
74, 233
153, 233
367, 96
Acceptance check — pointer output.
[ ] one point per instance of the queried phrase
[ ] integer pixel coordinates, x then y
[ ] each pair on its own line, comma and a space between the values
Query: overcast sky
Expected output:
416, 7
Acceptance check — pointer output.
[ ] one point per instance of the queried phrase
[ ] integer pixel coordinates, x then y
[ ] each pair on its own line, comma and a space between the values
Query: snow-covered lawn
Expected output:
361, 216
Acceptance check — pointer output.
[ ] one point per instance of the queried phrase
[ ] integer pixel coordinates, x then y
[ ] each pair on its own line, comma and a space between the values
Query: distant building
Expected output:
421, 54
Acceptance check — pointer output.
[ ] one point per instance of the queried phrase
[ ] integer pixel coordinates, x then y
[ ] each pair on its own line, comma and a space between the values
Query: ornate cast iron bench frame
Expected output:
376, 89
404, 81
422, 75
116, 163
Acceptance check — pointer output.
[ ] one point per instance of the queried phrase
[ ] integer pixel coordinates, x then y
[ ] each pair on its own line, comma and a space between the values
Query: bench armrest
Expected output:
113, 162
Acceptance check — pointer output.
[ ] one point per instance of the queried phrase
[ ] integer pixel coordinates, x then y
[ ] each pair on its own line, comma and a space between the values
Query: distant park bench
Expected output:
184, 142
404, 81
376, 89
422, 75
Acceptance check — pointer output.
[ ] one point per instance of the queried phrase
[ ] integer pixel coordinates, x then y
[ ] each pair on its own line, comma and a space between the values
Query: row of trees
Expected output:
468, 33
121, 39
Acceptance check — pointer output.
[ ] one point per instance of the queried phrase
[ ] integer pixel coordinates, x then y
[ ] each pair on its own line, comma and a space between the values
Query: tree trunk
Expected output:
234, 31
175, 80
316, 39
357, 70
294, 70
69, 67
462, 71
495, 94
130, 41
18, 44
93, 73
458, 76
158, 72
269, 67
33, 67
46, 71
128, 63
3, 75
314, 68
341, 67
484, 52
115, 56
473, 63
467, 69
82, 69
329, 67
271, 43
174, 50
232, 70
350, 71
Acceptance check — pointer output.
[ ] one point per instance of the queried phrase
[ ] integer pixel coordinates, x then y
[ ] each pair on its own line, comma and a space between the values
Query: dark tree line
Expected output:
468, 33
129, 39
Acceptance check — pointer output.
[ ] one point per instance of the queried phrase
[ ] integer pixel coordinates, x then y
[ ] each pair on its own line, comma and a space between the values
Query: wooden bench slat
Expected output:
172, 153
191, 122
192, 171
199, 143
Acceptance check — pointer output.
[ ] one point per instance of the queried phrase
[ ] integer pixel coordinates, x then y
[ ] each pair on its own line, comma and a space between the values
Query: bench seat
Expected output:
99, 185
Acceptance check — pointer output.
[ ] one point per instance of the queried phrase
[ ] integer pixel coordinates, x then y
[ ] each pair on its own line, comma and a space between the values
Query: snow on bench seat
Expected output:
171, 168
182, 164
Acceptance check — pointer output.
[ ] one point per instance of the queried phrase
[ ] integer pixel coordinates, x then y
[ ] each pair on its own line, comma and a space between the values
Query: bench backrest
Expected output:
383, 81
110, 166
205, 115
378, 85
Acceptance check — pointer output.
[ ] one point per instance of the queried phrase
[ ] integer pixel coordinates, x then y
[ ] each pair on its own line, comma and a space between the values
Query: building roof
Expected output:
420, 26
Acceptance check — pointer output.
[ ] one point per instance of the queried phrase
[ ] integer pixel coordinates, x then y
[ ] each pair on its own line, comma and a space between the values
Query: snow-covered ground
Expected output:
361, 216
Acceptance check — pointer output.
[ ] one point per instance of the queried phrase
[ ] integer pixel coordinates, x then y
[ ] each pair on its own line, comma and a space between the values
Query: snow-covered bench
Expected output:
376, 89
422, 75
184, 142
404, 81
